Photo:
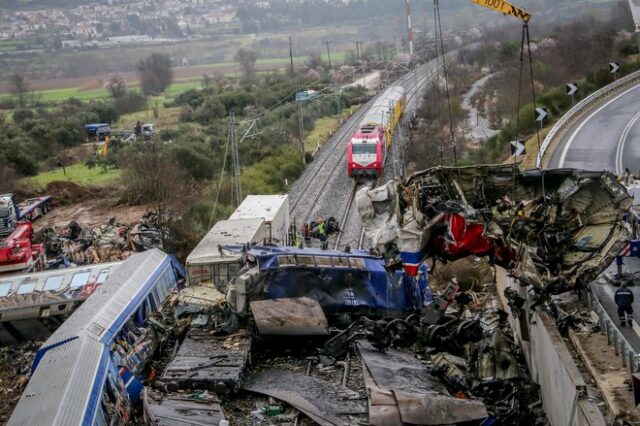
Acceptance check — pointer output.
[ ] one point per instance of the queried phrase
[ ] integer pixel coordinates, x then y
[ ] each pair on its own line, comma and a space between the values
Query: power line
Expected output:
437, 98
224, 165
235, 156
446, 85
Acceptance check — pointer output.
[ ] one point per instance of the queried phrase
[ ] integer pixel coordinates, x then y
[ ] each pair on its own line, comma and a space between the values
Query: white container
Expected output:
274, 209
206, 265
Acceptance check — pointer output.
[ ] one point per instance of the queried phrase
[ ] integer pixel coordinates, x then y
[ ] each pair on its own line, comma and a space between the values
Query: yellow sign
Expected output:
506, 8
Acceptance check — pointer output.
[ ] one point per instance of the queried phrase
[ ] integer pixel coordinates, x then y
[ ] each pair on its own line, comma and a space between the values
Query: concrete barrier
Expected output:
550, 364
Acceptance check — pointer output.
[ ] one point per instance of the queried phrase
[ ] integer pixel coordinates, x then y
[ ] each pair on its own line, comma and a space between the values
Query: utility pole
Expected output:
237, 187
291, 56
327, 43
301, 129
409, 28
357, 51
359, 48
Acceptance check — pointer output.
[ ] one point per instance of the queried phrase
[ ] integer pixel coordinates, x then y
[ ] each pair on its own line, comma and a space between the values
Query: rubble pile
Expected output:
76, 244
552, 229
291, 361
15, 370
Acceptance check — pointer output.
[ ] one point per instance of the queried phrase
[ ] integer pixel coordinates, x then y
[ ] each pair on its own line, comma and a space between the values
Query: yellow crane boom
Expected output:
506, 8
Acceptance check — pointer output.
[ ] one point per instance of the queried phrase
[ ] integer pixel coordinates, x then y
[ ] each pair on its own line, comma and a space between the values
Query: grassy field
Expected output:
324, 128
322, 131
181, 85
167, 117
77, 173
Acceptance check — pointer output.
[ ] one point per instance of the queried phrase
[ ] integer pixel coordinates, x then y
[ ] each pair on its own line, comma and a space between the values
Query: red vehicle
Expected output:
366, 152
17, 253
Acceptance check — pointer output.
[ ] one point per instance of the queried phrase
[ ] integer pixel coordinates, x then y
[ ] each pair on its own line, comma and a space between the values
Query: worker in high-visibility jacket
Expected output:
322, 230
298, 240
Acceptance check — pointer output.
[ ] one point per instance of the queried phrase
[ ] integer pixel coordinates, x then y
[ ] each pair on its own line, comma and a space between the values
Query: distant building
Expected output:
70, 44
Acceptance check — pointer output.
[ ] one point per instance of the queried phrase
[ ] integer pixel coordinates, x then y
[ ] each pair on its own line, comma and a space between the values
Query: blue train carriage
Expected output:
339, 281
85, 373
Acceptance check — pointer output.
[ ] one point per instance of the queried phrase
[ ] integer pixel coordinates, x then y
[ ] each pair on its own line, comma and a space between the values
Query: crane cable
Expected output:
527, 39
446, 84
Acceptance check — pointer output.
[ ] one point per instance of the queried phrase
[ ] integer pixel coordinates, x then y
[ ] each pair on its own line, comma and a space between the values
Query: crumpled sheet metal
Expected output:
181, 409
298, 316
110, 242
325, 403
553, 229
401, 391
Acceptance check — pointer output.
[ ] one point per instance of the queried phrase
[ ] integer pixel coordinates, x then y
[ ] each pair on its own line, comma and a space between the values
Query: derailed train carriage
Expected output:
85, 373
340, 282
553, 229
367, 149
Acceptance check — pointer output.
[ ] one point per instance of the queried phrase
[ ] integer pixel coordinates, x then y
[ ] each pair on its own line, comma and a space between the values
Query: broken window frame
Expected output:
77, 277
29, 284
57, 281
5, 285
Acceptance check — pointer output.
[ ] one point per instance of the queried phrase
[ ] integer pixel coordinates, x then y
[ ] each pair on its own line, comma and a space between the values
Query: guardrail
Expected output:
630, 359
580, 107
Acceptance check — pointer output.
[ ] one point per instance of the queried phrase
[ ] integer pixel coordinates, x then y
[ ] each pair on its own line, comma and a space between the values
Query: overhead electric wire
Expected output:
328, 87
435, 40
224, 165
446, 85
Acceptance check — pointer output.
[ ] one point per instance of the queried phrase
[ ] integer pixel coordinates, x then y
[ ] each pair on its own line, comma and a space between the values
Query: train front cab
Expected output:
367, 169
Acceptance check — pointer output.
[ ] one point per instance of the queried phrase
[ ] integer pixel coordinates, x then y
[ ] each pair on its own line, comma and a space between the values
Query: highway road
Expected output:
607, 137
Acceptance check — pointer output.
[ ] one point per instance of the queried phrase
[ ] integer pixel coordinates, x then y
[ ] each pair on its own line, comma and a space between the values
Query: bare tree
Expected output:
63, 158
116, 84
155, 73
206, 80
20, 86
220, 80
151, 175
315, 61
7, 177
247, 60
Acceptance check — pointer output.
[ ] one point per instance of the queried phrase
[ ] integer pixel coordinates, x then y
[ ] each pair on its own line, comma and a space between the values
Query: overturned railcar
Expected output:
554, 229
85, 373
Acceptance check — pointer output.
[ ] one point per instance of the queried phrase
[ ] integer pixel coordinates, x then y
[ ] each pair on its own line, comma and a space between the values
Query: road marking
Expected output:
623, 141
565, 150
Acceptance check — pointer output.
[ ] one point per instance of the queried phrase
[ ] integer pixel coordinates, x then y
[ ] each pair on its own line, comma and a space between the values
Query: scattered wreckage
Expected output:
75, 244
354, 337
377, 347
552, 229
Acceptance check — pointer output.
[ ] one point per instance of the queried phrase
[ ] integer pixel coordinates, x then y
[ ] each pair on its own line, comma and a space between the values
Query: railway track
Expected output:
325, 190
352, 232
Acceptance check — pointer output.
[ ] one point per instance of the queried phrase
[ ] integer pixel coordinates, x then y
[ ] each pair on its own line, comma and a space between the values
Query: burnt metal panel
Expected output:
181, 410
395, 376
209, 362
301, 316
325, 403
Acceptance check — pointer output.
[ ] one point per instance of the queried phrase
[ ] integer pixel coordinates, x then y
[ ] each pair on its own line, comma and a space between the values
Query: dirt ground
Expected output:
15, 364
611, 377
95, 81
92, 213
